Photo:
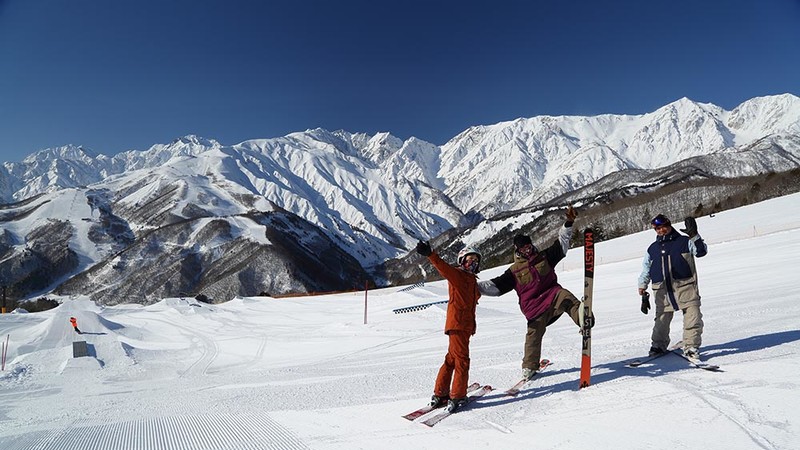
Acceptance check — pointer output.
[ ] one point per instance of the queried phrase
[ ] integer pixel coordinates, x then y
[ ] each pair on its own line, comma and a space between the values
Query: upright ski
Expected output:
586, 316
514, 390
428, 408
431, 421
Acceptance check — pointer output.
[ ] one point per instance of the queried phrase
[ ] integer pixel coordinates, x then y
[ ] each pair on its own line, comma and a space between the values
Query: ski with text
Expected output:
586, 326
514, 390
445, 414
428, 408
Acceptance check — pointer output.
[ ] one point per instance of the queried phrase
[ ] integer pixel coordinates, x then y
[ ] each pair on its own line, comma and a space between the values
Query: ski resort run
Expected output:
308, 373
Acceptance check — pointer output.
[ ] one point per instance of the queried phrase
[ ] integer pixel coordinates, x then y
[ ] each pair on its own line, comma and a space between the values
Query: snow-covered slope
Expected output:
308, 373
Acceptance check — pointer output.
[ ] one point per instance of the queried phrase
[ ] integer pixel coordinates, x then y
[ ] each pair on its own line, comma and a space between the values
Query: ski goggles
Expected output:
472, 265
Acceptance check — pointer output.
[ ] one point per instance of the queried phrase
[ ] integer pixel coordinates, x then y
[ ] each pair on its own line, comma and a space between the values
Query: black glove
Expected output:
691, 226
645, 302
570, 216
424, 248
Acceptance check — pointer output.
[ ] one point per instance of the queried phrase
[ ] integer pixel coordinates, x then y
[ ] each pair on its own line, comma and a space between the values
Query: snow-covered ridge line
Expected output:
368, 197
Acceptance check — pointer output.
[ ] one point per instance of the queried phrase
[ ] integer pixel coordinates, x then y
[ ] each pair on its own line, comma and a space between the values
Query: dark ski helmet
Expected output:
521, 240
660, 220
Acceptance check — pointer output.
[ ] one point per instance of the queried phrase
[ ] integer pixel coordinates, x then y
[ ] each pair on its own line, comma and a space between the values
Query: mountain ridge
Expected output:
373, 196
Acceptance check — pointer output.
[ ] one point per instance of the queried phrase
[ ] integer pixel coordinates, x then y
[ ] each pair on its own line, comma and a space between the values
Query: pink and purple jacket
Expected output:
534, 279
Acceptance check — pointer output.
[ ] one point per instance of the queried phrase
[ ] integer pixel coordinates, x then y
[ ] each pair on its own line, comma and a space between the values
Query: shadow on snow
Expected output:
660, 367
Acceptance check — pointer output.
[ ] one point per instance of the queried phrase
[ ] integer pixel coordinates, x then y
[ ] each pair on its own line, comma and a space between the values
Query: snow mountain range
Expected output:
320, 210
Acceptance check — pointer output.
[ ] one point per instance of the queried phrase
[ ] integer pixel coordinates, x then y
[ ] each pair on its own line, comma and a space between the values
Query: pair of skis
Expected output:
426, 409
641, 361
514, 390
697, 362
675, 350
475, 390
441, 415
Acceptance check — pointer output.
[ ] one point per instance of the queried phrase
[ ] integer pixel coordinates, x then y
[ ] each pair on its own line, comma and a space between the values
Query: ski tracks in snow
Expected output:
207, 345
729, 406
723, 399
208, 432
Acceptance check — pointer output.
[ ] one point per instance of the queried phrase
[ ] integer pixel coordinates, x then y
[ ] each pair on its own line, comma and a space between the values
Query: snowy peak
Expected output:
686, 106
761, 116
678, 131
190, 145
376, 149
191, 139
67, 152
381, 146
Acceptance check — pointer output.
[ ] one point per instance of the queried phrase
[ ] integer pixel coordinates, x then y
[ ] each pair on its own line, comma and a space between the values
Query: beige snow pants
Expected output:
692, 322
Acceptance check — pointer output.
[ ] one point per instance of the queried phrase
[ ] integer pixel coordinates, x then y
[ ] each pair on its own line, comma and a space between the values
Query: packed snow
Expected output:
309, 373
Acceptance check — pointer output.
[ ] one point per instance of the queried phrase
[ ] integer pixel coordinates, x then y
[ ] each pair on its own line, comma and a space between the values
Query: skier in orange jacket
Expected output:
74, 323
462, 285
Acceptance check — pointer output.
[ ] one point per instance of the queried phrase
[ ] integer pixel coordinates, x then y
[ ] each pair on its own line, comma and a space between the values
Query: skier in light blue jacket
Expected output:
669, 264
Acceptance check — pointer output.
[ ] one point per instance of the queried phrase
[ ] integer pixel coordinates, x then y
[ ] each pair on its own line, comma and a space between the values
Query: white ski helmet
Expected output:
468, 251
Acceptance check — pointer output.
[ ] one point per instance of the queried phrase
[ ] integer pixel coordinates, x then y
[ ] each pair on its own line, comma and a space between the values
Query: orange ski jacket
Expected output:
462, 287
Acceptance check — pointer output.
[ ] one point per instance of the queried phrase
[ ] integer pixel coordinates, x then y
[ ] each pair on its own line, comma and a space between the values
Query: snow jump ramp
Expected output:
83, 358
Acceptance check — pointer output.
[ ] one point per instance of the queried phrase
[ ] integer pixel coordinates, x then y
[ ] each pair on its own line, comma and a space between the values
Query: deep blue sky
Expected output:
121, 75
